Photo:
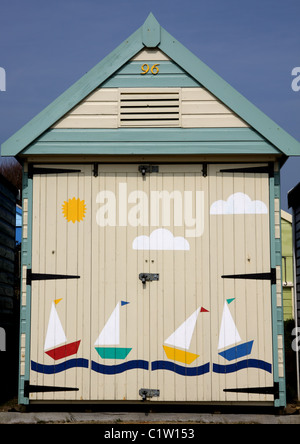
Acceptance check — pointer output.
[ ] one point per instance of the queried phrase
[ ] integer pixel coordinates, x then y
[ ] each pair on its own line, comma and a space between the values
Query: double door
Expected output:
139, 303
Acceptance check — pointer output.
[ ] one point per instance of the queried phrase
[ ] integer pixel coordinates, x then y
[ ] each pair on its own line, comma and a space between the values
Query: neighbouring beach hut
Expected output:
287, 265
151, 248
294, 203
8, 299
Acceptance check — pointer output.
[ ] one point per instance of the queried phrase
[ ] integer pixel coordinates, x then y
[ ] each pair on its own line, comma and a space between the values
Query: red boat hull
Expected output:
64, 351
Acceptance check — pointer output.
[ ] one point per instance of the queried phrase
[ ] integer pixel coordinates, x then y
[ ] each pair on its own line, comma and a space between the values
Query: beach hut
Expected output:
287, 265
8, 294
151, 248
294, 203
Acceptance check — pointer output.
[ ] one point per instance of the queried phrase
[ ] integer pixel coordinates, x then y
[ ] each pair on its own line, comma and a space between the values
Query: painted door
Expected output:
60, 282
146, 224
240, 285
200, 323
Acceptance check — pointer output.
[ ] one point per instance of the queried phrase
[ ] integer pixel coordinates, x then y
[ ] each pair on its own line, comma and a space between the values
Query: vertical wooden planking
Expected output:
108, 266
34, 346
245, 249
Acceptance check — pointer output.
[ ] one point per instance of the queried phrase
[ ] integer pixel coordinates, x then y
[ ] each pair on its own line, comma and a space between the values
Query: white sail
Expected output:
55, 333
229, 334
182, 336
110, 334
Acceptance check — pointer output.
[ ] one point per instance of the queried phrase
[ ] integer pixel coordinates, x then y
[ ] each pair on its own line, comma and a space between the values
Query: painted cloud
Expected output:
238, 203
160, 239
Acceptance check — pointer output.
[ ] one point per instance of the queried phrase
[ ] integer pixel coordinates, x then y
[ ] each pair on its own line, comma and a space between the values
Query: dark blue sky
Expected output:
45, 46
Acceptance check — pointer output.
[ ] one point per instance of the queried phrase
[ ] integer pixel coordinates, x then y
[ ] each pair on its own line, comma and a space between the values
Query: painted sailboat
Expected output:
107, 342
56, 345
229, 337
179, 342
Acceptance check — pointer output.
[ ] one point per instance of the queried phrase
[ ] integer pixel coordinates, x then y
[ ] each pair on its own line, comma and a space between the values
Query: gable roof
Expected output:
151, 35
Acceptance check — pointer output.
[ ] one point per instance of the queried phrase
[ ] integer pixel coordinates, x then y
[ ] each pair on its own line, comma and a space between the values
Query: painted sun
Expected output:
74, 210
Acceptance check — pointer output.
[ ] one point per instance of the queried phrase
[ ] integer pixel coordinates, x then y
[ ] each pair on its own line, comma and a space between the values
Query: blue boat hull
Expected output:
238, 351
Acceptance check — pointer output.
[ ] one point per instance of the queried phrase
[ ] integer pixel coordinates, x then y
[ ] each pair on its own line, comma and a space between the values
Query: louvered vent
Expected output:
151, 108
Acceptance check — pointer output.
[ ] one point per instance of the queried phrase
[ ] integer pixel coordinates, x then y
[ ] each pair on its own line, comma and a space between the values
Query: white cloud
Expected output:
160, 239
238, 203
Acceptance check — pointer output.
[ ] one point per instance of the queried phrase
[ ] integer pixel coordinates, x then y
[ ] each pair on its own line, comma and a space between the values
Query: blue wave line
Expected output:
247, 363
57, 368
120, 368
156, 365
179, 369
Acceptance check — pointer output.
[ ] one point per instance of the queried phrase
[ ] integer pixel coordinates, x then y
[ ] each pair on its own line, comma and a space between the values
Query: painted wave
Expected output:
57, 368
119, 368
179, 369
246, 363
156, 365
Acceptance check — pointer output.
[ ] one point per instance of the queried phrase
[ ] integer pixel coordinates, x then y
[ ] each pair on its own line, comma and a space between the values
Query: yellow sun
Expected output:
74, 210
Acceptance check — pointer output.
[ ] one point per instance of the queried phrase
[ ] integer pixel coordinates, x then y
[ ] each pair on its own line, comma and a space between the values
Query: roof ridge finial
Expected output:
151, 32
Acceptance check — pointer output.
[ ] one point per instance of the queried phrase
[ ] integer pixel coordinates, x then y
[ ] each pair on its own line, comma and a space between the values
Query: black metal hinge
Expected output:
143, 169
45, 388
262, 276
44, 170
273, 390
46, 277
95, 169
268, 169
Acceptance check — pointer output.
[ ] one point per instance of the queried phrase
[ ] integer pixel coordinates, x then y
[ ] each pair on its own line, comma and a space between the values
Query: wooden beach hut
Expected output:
151, 250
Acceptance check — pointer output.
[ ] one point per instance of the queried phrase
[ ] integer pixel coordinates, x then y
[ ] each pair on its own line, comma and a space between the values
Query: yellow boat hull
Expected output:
180, 355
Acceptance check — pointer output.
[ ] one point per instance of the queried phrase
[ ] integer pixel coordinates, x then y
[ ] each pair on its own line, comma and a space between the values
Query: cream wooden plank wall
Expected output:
198, 109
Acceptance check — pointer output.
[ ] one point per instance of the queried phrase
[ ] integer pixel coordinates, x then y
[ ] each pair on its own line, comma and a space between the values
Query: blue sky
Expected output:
45, 46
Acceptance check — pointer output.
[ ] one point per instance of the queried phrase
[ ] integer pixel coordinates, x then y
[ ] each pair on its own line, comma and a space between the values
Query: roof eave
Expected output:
287, 144
73, 95
151, 35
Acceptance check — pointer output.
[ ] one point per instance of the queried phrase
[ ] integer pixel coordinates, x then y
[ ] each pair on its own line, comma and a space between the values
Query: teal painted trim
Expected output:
25, 311
228, 95
169, 75
174, 81
277, 312
163, 81
171, 148
151, 32
153, 134
72, 96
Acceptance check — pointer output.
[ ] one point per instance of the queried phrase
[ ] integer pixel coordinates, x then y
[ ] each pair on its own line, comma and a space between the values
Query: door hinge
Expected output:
143, 169
260, 276
46, 276
268, 169
44, 170
144, 277
273, 390
148, 393
45, 388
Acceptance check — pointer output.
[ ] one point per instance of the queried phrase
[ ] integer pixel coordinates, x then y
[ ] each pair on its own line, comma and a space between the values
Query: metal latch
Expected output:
144, 277
148, 169
148, 393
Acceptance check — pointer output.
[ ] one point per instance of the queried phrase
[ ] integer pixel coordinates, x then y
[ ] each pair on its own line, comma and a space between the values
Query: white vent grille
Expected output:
149, 108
